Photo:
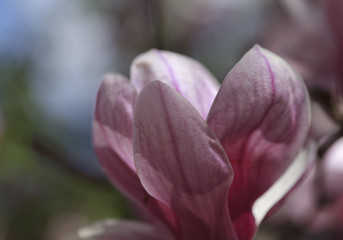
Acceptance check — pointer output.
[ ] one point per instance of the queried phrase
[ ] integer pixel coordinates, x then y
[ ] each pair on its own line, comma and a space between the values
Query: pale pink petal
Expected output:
112, 229
333, 170
261, 116
181, 162
112, 134
113, 116
184, 74
112, 140
120, 174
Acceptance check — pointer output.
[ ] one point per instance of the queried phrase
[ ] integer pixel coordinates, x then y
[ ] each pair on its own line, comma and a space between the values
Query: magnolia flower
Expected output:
197, 157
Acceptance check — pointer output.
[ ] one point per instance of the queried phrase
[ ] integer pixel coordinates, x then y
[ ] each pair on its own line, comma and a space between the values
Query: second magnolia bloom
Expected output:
200, 177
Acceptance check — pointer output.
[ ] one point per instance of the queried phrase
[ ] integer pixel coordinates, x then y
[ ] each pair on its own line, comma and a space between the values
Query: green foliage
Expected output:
34, 189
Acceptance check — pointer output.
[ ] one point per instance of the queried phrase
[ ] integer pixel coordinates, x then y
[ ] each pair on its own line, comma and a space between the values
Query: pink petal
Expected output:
181, 162
120, 174
112, 140
333, 170
112, 229
184, 74
113, 116
261, 116
112, 134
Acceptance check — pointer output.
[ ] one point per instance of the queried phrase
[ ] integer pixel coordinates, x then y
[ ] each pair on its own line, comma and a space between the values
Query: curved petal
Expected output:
112, 229
261, 116
181, 162
184, 74
112, 133
112, 140
113, 116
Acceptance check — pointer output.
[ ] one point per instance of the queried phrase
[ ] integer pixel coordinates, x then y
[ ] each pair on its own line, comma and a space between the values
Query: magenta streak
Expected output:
170, 70
244, 151
269, 107
272, 77
268, 110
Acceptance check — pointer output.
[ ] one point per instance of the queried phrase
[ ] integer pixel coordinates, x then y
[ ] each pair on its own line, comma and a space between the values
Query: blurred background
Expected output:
53, 54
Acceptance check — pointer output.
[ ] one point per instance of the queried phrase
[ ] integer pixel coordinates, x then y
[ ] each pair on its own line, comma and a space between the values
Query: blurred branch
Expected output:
62, 159
332, 103
328, 143
324, 99
157, 23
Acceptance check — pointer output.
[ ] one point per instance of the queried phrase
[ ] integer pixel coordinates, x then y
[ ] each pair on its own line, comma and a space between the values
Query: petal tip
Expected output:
113, 77
154, 84
257, 46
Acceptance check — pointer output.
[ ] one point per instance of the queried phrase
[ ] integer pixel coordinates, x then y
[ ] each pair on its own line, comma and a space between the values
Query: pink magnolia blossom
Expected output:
198, 157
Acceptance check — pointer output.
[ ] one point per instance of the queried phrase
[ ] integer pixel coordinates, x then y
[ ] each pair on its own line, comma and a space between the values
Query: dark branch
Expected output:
62, 159
324, 99
157, 22
328, 143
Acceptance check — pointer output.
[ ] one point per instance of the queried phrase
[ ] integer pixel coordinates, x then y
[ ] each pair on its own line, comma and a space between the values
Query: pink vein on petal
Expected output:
269, 107
170, 70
